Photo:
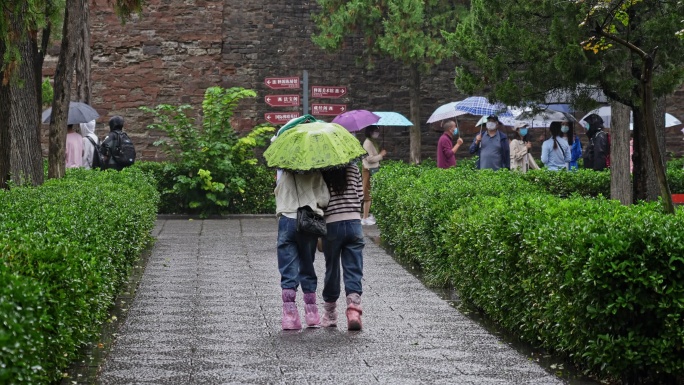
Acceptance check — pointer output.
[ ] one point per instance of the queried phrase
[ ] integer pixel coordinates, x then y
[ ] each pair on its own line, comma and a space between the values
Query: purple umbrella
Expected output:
356, 120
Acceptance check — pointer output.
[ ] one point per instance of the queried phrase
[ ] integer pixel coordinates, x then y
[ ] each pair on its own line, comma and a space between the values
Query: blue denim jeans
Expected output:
296, 252
344, 243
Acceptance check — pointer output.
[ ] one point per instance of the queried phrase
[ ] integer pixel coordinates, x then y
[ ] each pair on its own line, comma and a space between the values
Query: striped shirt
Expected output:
346, 206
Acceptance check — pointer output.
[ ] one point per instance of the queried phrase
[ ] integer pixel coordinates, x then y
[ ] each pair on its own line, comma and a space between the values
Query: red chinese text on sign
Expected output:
282, 100
282, 83
280, 117
328, 92
328, 109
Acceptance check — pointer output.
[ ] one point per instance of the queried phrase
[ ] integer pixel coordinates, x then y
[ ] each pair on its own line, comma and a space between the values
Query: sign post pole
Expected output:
305, 98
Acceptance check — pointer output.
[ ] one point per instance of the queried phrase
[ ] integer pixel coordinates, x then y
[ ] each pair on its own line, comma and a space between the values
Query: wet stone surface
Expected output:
207, 311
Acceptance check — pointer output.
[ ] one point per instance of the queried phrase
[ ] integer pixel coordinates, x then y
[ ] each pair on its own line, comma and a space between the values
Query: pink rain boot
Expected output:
290, 313
329, 314
354, 311
311, 310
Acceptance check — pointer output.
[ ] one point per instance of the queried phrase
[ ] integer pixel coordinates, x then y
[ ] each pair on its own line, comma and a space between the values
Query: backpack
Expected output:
124, 152
98, 162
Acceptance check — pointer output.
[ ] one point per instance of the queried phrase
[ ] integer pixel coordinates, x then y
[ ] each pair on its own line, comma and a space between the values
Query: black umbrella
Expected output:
78, 113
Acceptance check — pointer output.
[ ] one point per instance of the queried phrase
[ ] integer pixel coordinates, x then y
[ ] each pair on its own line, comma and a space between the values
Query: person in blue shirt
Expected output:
555, 150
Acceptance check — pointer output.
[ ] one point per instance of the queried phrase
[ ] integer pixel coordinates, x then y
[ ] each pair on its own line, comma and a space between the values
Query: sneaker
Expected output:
364, 222
371, 217
370, 221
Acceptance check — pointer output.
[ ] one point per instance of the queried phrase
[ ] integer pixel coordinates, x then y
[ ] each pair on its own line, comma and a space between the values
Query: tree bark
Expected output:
64, 73
21, 159
620, 176
414, 104
651, 137
83, 81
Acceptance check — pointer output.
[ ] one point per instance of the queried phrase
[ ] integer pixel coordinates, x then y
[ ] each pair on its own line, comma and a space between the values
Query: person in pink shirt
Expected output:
74, 148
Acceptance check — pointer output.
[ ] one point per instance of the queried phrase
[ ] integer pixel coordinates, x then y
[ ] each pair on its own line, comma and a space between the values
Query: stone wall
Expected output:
177, 48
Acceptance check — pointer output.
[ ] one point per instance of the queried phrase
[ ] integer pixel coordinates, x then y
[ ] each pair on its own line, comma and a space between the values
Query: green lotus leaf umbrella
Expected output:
313, 146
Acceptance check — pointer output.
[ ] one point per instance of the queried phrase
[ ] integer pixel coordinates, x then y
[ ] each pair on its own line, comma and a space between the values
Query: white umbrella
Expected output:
605, 114
540, 117
445, 112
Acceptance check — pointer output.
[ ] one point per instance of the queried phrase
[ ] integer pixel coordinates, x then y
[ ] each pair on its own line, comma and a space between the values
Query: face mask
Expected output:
565, 129
523, 131
375, 135
585, 125
491, 126
456, 131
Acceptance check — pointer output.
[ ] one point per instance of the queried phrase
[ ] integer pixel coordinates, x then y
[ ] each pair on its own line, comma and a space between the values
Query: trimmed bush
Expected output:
66, 248
585, 277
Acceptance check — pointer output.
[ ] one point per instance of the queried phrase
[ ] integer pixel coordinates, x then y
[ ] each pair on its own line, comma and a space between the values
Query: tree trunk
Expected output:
414, 104
64, 72
651, 137
620, 177
20, 155
83, 83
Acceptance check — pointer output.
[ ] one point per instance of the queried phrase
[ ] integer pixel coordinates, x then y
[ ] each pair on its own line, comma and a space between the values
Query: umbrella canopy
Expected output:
605, 113
445, 112
78, 113
356, 120
392, 119
479, 105
313, 146
541, 117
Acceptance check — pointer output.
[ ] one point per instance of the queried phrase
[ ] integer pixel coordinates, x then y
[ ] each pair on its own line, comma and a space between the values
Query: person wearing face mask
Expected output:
371, 165
567, 133
520, 147
492, 148
555, 150
446, 149
597, 152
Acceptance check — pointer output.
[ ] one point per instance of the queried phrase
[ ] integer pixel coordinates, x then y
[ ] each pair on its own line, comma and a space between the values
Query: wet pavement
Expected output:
207, 311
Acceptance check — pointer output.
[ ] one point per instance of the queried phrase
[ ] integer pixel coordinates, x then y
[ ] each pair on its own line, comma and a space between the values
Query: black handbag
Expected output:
310, 222
307, 219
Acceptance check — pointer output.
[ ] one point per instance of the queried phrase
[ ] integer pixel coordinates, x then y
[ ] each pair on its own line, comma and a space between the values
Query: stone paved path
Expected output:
208, 312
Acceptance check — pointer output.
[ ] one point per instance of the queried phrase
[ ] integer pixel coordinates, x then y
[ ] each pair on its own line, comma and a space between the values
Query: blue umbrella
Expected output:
479, 105
392, 119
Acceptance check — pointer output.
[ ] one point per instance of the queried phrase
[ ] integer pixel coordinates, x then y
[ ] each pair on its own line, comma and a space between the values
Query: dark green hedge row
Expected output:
66, 247
257, 198
584, 277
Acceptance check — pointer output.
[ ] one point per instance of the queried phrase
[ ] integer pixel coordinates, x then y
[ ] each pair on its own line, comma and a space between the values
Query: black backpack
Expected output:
98, 162
124, 152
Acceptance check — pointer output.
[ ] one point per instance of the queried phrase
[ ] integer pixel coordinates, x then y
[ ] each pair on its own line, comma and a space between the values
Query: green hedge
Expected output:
66, 248
584, 277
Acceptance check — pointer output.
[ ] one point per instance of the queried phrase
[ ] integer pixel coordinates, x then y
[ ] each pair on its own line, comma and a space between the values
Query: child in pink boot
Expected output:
296, 250
344, 243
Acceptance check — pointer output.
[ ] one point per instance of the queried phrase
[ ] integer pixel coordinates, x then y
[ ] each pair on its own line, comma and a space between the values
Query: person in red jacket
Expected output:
446, 149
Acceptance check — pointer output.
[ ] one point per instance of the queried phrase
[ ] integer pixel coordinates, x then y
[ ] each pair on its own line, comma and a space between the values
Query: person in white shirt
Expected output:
296, 250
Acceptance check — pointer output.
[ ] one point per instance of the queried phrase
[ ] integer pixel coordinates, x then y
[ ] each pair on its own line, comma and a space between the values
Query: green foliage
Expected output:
585, 277
48, 92
405, 30
65, 247
586, 183
211, 166
531, 47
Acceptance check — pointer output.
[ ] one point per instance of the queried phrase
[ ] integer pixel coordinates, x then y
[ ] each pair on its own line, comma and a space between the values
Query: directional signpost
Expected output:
282, 100
328, 92
328, 109
282, 83
280, 117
